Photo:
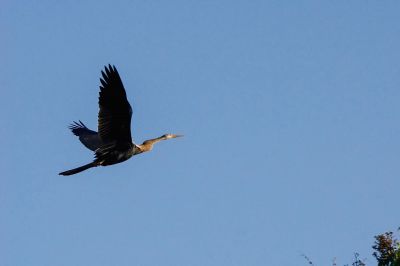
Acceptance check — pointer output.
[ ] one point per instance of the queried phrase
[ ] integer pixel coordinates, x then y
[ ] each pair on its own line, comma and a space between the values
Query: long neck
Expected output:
148, 144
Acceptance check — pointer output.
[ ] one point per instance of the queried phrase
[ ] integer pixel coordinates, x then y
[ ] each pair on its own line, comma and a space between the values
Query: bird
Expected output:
112, 143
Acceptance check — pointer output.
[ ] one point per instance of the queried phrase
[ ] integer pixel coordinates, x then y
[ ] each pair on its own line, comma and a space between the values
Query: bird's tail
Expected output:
79, 169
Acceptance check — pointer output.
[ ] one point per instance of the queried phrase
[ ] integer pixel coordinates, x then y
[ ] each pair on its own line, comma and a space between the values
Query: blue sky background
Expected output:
290, 111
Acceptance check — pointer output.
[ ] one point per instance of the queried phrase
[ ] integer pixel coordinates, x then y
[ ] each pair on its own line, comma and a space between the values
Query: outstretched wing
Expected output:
79, 129
88, 137
115, 111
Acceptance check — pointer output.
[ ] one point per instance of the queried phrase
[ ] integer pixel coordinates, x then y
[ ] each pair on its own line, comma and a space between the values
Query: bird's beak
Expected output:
177, 136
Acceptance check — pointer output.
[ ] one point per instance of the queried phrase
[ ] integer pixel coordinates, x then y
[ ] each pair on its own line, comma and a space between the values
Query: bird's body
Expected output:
112, 143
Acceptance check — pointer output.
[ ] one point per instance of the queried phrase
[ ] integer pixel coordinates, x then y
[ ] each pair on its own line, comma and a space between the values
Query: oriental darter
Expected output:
112, 143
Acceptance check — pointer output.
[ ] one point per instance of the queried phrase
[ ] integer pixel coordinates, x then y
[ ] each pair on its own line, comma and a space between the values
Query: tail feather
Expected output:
79, 169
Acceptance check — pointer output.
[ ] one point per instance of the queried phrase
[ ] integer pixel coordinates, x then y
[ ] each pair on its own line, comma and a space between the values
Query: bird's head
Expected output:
148, 144
170, 136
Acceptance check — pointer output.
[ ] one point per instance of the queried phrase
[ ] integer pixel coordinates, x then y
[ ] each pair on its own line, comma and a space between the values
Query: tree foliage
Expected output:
387, 250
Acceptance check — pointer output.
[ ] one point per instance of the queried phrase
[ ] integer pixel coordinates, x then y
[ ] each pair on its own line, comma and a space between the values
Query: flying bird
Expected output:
112, 143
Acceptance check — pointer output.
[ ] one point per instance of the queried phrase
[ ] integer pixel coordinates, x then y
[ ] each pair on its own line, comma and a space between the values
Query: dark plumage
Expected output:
88, 137
113, 142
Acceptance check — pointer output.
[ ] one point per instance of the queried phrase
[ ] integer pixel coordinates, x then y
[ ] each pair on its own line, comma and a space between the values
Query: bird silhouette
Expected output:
112, 143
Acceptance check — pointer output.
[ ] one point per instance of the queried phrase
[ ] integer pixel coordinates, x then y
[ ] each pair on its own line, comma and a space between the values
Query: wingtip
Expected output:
82, 124
73, 125
110, 66
108, 69
76, 127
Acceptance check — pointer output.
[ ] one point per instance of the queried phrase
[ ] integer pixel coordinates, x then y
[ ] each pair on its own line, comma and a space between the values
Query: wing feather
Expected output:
114, 121
88, 137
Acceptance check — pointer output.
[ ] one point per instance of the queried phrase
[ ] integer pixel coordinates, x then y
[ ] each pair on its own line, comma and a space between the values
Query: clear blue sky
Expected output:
290, 111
